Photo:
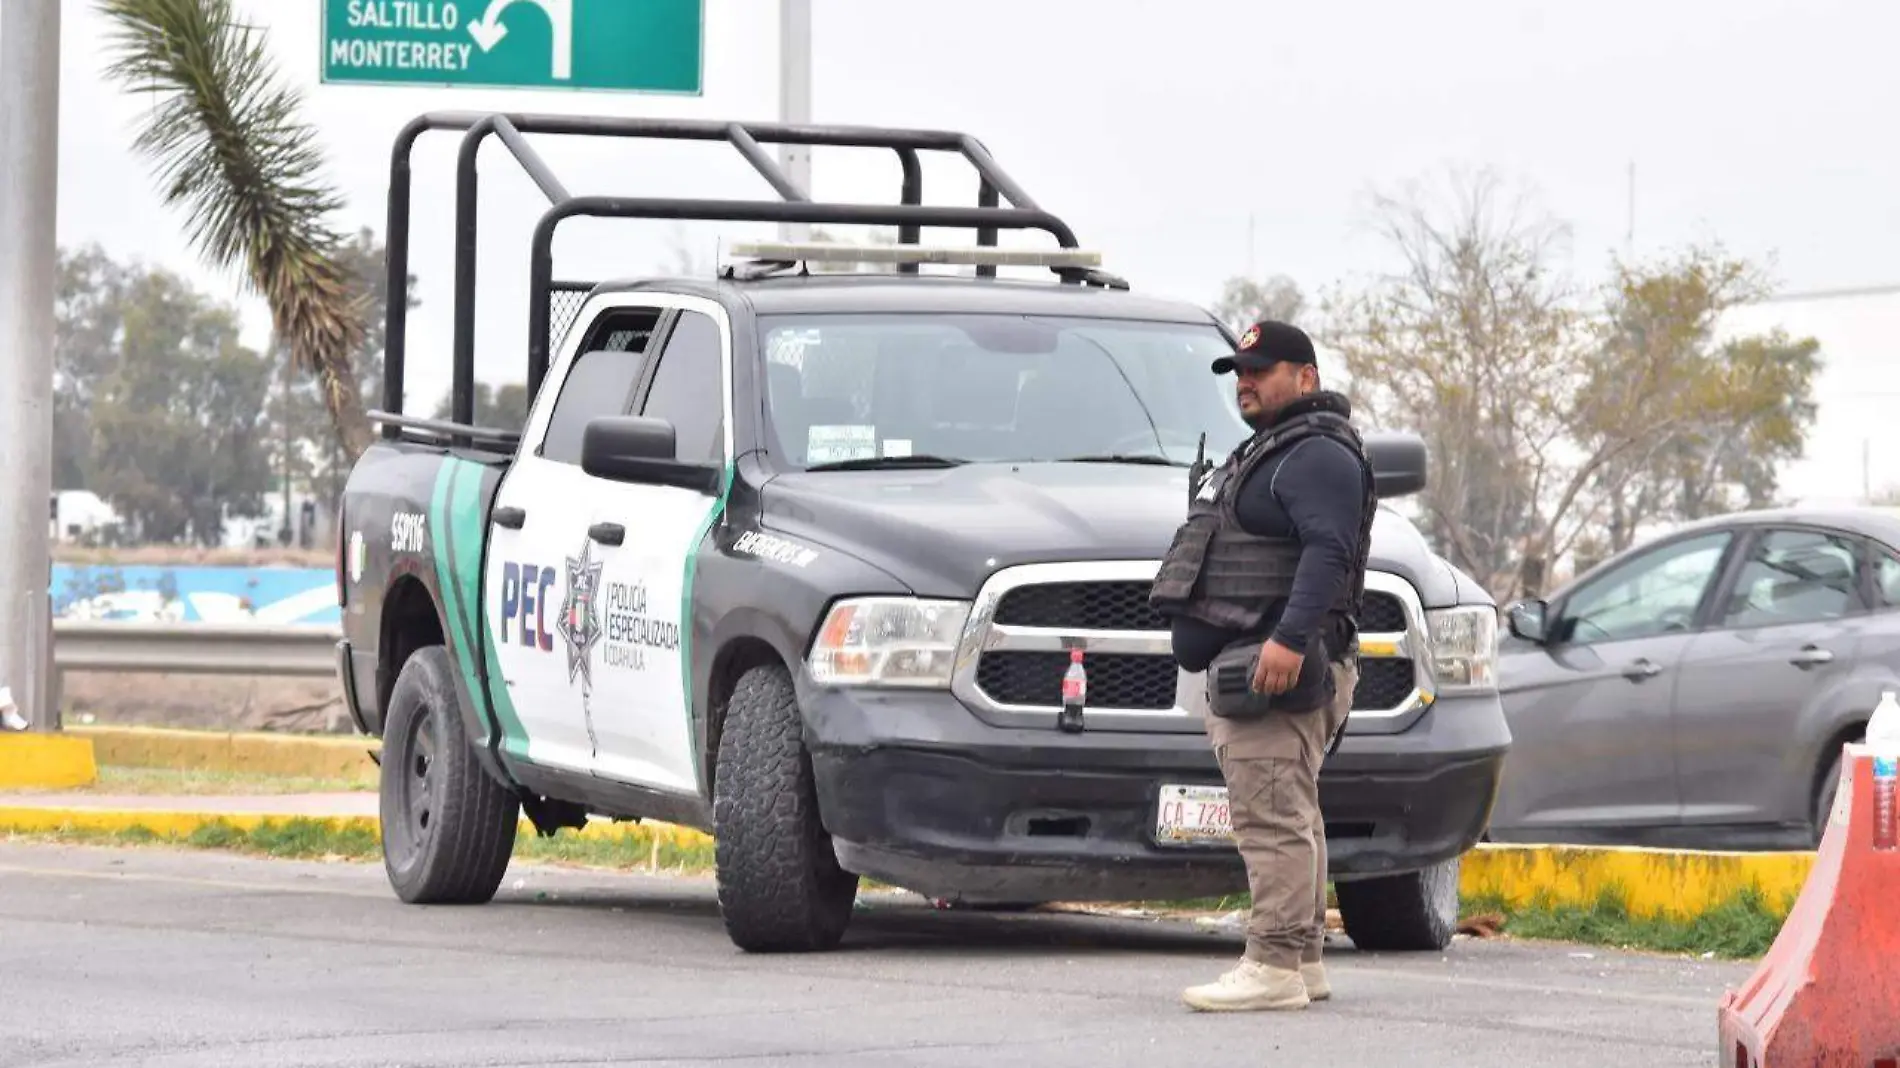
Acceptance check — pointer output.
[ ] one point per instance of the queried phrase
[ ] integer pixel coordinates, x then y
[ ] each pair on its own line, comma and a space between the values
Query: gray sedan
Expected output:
1695, 691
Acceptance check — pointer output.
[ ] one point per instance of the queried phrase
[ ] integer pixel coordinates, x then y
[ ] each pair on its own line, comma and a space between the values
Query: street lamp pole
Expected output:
794, 99
29, 177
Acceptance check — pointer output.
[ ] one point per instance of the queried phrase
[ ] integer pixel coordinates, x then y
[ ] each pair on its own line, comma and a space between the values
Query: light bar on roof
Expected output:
835, 252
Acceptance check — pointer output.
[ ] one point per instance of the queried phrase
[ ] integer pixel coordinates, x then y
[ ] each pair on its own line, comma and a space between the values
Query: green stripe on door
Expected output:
686, 616
460, 530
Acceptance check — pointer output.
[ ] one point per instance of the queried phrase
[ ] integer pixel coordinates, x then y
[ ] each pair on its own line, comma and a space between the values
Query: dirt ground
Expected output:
206, 702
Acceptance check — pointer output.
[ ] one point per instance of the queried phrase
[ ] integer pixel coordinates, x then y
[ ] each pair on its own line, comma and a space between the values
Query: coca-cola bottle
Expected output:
1075, 687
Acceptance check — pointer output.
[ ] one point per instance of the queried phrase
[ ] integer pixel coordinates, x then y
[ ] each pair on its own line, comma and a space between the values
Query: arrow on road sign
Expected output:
488, 30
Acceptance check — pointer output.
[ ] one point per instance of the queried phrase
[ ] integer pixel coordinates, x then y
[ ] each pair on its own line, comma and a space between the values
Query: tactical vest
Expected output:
1220, 574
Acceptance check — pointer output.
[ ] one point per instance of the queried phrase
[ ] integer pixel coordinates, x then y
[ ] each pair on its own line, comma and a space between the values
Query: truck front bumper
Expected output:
918, 792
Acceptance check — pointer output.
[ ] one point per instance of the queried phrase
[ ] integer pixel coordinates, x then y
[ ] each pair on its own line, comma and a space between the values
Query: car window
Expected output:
1653, 593
1887, 578
687, 390
1795, 576
600, 381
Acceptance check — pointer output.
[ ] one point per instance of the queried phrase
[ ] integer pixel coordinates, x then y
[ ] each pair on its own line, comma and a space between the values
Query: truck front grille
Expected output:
1116, 680
1039, 610
1081, 605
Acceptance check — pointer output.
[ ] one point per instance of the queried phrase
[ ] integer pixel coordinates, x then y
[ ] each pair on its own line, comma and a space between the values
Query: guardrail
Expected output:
195, 648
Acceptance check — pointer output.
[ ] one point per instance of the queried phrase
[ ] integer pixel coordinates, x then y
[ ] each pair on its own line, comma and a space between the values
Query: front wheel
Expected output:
781, 888
448, 828
1414, 911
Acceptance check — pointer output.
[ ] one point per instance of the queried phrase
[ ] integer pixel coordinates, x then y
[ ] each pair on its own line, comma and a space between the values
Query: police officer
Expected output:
1263, 584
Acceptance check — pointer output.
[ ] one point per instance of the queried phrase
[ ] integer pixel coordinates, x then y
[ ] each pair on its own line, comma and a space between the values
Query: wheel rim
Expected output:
418, 790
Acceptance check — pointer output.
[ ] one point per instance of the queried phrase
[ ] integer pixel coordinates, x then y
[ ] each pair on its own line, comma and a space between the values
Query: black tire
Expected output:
781, 889
448, 827
1826, 788
1417, 911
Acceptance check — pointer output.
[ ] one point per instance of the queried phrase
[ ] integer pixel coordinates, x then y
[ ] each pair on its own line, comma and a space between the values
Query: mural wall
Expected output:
166, 594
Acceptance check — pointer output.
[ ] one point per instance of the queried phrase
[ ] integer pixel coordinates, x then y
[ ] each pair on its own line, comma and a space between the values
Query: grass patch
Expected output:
201, 782
1740, 929
300, 838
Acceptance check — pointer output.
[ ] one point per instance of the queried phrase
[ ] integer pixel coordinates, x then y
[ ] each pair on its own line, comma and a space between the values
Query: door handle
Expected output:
607, 533
1638, 670
511, 517
1810, 656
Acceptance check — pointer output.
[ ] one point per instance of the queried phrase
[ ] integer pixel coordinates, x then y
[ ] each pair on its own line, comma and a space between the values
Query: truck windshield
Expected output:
854, 390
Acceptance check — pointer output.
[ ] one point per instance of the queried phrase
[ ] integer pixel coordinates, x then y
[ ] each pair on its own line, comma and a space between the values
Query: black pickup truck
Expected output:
797, 558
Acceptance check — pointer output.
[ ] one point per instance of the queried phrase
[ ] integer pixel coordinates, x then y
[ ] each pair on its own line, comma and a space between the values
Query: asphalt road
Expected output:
147, 957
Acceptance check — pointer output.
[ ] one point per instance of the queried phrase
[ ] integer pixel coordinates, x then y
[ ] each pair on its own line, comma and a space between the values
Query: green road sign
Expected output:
650, 46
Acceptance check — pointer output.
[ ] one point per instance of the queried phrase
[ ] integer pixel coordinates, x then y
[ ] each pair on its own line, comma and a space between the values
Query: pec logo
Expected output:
524, 603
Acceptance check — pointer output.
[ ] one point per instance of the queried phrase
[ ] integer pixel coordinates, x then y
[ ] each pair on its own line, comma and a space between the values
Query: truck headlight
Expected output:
1464, 647
888, 641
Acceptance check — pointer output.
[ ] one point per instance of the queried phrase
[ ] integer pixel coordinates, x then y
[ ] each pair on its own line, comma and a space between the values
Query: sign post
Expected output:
641, 46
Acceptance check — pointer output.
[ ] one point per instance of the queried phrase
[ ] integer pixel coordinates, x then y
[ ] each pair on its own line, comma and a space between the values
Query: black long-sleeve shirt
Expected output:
1312, 492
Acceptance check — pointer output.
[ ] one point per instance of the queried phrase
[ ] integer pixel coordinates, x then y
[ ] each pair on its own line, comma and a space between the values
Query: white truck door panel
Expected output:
639, 705
539, 590
523, 598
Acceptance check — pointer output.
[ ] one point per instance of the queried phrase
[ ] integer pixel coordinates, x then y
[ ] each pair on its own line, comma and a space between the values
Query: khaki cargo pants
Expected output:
1272, 770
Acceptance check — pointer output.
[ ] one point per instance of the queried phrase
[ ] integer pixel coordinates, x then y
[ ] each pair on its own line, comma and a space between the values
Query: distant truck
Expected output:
797, 559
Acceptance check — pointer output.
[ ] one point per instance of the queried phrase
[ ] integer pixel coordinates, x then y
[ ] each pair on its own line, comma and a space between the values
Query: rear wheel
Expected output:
1411, 912
448, 828
781, 888
1828, 788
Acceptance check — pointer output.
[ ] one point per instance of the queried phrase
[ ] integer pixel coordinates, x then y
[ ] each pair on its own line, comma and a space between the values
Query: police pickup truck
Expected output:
798, 558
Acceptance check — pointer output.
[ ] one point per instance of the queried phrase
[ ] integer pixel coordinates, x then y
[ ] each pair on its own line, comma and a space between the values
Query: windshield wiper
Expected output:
1123, 458
869, 463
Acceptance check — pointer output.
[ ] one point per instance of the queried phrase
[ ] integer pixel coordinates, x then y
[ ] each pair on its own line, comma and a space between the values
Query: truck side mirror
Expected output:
1527, 620
629, 448
1398, 463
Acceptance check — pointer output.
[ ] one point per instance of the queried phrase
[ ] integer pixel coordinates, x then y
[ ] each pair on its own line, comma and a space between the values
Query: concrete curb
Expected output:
1680, 885
30, 760
248, 752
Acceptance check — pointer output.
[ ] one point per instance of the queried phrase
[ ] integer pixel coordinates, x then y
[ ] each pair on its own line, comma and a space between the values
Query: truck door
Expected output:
541, 587
644, 538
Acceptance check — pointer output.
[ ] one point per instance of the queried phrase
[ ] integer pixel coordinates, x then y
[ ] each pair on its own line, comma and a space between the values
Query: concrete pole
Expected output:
794, 99
29, 177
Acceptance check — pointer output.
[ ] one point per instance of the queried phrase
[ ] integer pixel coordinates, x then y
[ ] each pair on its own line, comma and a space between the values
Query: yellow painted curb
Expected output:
181, 823
1650, 882
32, 760
256, 753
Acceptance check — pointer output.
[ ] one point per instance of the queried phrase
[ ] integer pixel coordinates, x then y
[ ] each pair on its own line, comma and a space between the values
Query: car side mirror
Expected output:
1398, 463
629, 448
1527, 620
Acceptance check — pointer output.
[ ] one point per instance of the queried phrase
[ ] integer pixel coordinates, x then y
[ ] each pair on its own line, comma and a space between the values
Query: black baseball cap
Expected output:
1266, 343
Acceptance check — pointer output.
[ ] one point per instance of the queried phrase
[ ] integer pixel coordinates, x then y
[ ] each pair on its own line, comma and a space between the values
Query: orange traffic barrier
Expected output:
1828, 992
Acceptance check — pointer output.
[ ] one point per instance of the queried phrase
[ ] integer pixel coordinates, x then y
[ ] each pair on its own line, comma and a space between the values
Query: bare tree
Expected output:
1244, 301
1474, 342
1551, 416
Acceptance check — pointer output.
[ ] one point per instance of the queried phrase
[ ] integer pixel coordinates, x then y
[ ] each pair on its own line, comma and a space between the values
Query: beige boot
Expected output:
1313, 973
1249, 987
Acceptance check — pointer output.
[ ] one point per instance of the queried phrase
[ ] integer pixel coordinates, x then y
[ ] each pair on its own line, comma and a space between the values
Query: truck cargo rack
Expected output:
794, 205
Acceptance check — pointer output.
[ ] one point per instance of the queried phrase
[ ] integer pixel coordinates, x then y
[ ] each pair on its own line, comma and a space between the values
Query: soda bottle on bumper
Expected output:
1074, 694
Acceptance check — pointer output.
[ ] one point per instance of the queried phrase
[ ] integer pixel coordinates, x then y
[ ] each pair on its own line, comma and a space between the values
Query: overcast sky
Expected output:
1158, 134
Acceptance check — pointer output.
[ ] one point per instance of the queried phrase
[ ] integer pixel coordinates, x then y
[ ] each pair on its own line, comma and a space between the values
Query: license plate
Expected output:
1190, 815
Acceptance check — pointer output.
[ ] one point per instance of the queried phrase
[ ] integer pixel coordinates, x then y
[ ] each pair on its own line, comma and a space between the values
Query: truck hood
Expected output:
942, 532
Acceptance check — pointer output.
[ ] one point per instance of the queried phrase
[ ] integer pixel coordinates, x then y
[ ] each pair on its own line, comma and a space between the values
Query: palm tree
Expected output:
228, 148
